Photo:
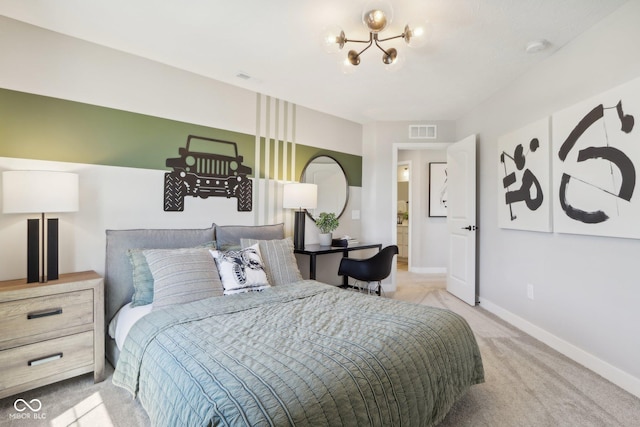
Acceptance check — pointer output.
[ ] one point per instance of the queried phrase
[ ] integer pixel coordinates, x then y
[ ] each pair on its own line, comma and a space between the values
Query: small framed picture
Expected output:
437, 189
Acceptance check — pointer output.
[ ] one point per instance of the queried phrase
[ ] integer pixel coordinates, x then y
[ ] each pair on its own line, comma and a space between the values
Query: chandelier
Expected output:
376, 16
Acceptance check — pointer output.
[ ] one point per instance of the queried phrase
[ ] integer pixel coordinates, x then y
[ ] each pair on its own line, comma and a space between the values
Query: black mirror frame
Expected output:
346, 178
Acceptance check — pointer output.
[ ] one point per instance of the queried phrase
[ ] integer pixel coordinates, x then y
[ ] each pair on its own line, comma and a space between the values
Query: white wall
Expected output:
586, 289
110, 198
51, 64
47, 63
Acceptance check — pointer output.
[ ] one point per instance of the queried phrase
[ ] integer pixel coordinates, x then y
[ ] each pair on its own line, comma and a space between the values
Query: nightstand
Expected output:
50, 331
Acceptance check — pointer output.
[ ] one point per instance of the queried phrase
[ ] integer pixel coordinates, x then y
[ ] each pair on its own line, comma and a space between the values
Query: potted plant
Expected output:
326, 223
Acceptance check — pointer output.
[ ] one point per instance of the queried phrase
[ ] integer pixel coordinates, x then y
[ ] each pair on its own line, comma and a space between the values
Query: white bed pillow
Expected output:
242, 270
124, 320
182, 275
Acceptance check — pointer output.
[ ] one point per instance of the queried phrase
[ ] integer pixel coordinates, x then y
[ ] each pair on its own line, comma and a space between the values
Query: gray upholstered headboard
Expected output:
118, 271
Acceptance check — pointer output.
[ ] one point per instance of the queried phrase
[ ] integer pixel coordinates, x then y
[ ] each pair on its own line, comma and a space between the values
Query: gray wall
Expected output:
586, 289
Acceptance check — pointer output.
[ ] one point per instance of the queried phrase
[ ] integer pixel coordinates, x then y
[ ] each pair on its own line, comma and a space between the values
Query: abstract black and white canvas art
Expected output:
596, 159
437, 189
524, 180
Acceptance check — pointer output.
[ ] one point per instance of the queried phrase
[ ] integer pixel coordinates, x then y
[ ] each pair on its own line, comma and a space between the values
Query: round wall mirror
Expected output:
333, 187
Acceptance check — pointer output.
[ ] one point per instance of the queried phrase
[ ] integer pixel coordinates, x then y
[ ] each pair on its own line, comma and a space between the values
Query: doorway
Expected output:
425, 252
403, 213
459, 242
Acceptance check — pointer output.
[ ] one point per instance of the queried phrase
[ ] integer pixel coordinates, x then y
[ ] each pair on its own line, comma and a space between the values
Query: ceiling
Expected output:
475, 48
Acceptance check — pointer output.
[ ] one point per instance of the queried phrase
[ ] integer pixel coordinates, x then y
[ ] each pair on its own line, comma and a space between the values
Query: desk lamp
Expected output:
299, 196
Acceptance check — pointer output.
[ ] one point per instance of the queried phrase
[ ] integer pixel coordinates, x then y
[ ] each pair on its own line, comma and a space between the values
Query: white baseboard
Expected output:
617, 376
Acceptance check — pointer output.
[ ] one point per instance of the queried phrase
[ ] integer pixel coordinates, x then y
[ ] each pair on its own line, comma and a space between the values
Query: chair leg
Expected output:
356, 285
367, 288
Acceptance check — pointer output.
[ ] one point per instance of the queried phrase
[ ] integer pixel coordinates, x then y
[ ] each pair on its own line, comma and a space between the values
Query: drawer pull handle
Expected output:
42, 360
39, 314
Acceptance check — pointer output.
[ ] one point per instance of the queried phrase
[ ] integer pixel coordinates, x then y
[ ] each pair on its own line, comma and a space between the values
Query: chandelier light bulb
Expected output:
397, 64
347, 67
353, 57
417, 35
375, 20
377, 15
333, 39
390, 56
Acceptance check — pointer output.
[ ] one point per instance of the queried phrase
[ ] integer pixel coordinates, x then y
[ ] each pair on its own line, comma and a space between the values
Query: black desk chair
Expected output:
374, 269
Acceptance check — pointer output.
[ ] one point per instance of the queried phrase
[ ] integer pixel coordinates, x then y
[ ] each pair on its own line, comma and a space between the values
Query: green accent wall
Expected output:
46, 128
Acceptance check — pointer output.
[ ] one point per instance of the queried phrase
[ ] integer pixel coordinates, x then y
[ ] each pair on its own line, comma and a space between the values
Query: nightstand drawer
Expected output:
33, 319
57, 325
47, 358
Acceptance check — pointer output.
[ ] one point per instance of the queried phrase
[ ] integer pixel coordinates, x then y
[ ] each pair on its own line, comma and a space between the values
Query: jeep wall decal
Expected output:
207, 167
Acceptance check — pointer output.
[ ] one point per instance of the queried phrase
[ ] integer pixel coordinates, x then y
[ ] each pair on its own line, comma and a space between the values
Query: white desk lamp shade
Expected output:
39, 191
300, 196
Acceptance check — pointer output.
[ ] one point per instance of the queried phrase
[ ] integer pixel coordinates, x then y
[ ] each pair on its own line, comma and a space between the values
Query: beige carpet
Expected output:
527, 383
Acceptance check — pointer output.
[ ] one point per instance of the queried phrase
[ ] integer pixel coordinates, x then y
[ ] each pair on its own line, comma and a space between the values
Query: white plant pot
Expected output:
325, 239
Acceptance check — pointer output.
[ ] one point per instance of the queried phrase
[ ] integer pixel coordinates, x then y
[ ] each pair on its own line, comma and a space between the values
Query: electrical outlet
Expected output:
355, 214
529, 291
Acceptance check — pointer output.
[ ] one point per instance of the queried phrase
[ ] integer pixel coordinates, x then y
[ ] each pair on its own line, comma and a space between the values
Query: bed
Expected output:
298, 352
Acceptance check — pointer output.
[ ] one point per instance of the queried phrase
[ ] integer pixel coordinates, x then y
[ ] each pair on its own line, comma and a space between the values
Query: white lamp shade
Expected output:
39, 191
300, 196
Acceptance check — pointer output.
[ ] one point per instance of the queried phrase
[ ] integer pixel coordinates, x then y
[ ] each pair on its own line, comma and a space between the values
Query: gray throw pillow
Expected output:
280, 262
182, 275
142, 277
228, 236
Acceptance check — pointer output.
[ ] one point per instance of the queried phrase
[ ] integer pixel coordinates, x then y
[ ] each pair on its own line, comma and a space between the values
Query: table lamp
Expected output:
299, 196
40, 192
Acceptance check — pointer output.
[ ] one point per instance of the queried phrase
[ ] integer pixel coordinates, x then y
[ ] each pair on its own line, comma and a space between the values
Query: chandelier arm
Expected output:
368, 46
371, 37
380, 47
391, 38
346, 40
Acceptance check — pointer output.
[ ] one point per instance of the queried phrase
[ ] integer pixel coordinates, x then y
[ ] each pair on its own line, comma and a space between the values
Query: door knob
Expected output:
470, 227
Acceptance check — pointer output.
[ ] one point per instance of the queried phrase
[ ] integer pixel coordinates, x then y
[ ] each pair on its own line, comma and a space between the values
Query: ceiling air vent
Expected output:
422, 131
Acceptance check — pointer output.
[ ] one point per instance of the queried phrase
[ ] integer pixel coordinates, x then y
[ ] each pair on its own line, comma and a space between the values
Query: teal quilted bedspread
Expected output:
305, 354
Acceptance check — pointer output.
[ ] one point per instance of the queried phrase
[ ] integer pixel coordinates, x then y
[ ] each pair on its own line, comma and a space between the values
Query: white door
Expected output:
461, 219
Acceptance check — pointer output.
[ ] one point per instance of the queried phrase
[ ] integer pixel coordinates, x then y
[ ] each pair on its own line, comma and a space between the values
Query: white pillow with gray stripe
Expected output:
280, 262
182, 275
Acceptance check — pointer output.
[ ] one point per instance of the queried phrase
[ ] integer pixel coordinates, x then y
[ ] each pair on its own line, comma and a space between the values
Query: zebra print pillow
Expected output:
241, 270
